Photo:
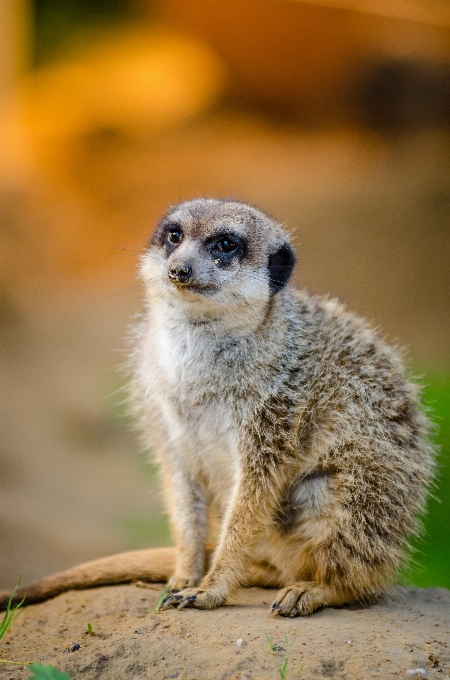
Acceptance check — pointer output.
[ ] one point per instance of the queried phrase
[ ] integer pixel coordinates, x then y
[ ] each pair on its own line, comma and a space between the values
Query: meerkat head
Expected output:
217, 255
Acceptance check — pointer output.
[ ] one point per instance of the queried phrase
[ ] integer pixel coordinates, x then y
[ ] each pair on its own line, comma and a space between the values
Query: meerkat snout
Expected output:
180, 273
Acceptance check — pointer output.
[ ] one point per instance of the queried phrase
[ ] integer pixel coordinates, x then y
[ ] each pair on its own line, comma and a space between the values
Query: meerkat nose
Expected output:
180, 273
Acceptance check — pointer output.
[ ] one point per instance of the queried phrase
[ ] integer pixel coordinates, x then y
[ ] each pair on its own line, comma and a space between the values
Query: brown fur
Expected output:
282, 413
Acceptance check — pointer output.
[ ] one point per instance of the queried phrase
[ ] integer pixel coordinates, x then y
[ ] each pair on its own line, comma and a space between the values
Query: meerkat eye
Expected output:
226, 248
226, 245
174, 236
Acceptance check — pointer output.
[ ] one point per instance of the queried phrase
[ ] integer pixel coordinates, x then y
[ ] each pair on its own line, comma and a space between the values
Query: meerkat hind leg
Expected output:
302, 598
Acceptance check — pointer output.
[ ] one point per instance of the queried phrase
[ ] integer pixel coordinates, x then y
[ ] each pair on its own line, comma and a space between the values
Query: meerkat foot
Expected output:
193, 597
301, 599
180, 583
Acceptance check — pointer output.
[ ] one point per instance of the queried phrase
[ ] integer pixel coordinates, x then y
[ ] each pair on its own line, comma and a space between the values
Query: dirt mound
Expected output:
130, 640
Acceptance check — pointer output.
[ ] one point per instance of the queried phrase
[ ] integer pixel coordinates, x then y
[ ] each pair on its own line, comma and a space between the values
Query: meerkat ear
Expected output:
281, 264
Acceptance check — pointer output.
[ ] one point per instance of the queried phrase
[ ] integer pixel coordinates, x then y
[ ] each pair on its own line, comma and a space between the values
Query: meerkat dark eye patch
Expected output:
167, 235
281, 264
226, 247
173, 235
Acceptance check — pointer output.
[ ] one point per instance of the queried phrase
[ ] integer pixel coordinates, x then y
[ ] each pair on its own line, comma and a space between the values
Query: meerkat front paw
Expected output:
178, 583
193, 597
300, 599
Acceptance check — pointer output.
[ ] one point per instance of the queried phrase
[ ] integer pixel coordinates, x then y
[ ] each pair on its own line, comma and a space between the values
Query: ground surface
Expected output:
410, 631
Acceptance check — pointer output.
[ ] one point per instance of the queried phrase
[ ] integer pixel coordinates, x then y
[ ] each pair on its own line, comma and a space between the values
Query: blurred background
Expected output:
333, 116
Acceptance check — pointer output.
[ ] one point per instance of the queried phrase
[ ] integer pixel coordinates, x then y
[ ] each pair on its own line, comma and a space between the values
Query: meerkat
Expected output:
279, 412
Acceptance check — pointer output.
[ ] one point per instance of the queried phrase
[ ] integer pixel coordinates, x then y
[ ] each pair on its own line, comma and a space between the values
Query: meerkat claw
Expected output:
188, 597
187, 602
169, 601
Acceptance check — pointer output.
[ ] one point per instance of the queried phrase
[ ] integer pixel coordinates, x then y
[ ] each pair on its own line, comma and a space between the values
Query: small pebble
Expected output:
417, 671
75, 646
239, 642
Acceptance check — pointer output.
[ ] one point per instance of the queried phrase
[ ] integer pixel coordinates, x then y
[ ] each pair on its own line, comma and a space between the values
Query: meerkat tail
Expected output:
155, 565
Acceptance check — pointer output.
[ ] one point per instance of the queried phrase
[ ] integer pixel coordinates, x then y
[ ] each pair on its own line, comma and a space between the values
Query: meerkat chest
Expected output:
192, 396
204, 440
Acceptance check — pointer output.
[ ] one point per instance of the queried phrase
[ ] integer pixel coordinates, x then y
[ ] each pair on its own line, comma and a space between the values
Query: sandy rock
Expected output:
406, 637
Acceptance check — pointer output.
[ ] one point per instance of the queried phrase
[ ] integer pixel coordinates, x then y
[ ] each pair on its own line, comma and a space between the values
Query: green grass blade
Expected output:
17, 663
282, 668
10, 612
164, 594
272, 651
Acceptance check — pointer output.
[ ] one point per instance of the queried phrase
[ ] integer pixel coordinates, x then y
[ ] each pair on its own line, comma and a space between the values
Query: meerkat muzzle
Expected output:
180, 273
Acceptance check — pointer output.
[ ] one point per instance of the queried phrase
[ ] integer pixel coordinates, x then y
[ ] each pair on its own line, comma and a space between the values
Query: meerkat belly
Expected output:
203, 440
211, 452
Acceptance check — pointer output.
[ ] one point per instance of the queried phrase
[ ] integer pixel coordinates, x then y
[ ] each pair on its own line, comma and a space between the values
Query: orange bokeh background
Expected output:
333, 116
